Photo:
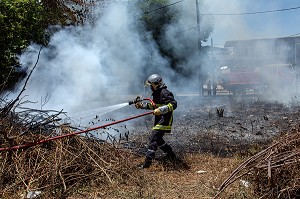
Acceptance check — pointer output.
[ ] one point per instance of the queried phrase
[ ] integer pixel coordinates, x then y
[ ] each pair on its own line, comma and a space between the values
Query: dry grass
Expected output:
169, 182
274, 171
63, 168
192, 183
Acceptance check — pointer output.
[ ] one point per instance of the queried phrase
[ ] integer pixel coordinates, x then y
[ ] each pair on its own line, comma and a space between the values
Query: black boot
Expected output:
171, 157
170, 154
146, 164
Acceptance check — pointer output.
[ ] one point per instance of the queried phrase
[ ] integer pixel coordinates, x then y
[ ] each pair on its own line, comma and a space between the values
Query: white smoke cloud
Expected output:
90, 64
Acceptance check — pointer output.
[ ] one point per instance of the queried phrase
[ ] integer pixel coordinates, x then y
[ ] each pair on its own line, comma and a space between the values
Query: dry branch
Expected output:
274, 171
9, 106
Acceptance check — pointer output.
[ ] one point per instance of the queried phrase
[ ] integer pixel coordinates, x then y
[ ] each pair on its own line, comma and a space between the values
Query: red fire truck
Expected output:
267, 64
257, 79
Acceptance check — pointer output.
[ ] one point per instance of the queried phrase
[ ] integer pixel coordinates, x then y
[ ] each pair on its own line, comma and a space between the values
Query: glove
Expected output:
157, 111
139, 105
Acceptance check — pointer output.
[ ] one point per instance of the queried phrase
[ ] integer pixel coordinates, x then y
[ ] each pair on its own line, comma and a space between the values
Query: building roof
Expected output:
233, 43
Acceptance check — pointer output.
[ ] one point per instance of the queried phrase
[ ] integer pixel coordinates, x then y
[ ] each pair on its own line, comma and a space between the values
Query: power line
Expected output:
258, 12
228, 14
245, 13
160, 8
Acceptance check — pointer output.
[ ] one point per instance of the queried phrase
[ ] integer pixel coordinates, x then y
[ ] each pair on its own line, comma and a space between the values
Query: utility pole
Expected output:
212, 59
199, 48
198, 25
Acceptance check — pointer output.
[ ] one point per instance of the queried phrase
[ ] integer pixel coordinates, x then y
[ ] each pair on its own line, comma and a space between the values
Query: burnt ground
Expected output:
247, 125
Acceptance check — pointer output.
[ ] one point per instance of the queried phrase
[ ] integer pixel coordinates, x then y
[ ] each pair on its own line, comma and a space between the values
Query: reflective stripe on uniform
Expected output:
162, 127
170, 106
171, 120
150, 106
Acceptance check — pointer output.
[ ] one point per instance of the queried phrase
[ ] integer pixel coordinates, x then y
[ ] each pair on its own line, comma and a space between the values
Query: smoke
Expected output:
87, 66
91, 64
181, 39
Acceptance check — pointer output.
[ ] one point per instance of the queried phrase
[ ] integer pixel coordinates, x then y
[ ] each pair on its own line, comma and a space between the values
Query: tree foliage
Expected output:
158, 16
17, 21
25, 21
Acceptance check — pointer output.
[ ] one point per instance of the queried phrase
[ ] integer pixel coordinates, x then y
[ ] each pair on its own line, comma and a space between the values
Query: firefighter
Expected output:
163, 111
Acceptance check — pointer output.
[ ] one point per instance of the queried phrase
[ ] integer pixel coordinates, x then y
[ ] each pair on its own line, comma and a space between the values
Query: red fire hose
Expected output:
75, 133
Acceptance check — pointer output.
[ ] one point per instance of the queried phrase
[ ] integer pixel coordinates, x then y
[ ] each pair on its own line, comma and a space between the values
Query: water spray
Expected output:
138, 99
85, 116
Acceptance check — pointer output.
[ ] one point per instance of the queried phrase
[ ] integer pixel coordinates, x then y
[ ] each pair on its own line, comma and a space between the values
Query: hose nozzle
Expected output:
137, 99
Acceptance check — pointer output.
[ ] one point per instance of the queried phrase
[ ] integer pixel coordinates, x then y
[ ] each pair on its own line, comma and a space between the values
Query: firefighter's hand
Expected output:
139, 105
157, 111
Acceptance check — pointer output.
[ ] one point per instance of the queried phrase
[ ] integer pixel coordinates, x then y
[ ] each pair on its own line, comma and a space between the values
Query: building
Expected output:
259, 64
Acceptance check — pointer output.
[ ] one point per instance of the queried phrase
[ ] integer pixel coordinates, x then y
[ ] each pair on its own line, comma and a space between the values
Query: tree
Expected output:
17, 21
26, 21
161, 14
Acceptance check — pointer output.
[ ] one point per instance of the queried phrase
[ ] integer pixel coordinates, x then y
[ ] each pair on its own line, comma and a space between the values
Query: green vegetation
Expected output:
25, 21
20, 23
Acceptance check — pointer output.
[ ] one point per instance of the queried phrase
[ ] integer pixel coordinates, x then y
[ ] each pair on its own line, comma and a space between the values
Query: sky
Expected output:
252, 26
92, 64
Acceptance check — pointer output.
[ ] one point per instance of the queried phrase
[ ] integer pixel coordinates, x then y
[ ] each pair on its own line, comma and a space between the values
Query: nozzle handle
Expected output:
137, 99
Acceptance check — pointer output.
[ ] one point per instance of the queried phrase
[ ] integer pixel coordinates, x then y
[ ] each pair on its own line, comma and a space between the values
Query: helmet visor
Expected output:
148, 83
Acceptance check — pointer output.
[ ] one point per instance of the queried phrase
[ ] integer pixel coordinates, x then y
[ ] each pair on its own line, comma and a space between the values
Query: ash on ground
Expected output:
220, 125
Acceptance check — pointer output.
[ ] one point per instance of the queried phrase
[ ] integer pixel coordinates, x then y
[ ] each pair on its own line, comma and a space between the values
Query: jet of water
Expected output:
95, 113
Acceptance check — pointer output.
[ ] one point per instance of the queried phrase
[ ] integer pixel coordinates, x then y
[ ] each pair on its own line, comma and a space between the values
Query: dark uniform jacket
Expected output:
161, 97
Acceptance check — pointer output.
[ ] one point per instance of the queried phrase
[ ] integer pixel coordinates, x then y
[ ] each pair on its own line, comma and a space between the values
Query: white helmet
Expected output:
154, 79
